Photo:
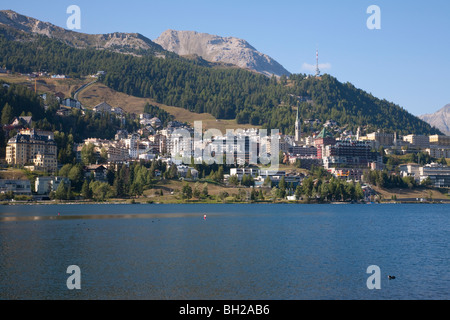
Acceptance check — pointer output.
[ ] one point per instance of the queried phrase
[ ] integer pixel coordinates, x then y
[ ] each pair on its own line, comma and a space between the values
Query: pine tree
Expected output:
118, 187
205, 191
220, 175
76, 177
298, 192
186, 192
282, 184
233, 180
197, 191
261, 196
268, 182
62, 191
359, 192
86, 191
6, 114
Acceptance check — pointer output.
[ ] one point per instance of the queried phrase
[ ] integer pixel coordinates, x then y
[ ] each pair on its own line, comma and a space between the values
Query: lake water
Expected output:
240, 252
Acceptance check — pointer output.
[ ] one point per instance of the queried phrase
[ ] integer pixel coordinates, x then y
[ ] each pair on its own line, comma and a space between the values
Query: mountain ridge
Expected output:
440, 119
128, 43
215, 48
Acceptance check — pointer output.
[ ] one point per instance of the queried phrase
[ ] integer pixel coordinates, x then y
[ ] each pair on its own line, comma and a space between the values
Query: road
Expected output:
75, 96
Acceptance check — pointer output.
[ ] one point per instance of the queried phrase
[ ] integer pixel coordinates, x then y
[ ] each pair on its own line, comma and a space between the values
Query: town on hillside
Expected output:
333, 164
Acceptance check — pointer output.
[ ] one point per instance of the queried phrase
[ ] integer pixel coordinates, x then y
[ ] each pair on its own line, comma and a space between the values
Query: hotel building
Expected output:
33, 148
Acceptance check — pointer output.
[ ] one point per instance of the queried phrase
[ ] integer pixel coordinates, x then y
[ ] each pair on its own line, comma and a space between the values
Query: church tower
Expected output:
298, 132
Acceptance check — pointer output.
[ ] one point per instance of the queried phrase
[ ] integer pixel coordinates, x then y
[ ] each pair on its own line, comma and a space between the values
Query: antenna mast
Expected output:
317, 64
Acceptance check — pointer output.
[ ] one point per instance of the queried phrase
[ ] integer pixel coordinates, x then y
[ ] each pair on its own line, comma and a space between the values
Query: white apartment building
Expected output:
240, 172
45, 185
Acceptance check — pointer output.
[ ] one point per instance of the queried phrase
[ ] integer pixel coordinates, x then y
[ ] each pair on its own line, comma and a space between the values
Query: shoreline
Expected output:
28, 203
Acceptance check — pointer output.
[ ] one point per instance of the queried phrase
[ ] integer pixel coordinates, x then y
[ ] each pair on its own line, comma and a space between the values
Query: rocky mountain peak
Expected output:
439, 119
215, 48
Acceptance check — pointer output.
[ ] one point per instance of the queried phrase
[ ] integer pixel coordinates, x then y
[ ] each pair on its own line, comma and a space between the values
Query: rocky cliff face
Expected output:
439, 119
132, 43
219, 49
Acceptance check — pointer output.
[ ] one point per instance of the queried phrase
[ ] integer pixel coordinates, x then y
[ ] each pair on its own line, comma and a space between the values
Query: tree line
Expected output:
120, 181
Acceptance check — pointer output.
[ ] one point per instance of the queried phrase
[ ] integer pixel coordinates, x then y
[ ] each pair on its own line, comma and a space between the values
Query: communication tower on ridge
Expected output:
317, 64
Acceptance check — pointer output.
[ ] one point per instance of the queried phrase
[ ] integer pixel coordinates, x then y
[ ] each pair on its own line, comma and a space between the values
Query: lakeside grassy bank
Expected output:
166, 191
212, 202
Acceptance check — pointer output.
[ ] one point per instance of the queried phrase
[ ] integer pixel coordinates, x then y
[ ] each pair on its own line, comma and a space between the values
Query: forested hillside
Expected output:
226, 93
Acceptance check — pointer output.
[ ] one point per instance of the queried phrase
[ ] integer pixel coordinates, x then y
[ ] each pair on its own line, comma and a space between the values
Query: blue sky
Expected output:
407, 61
